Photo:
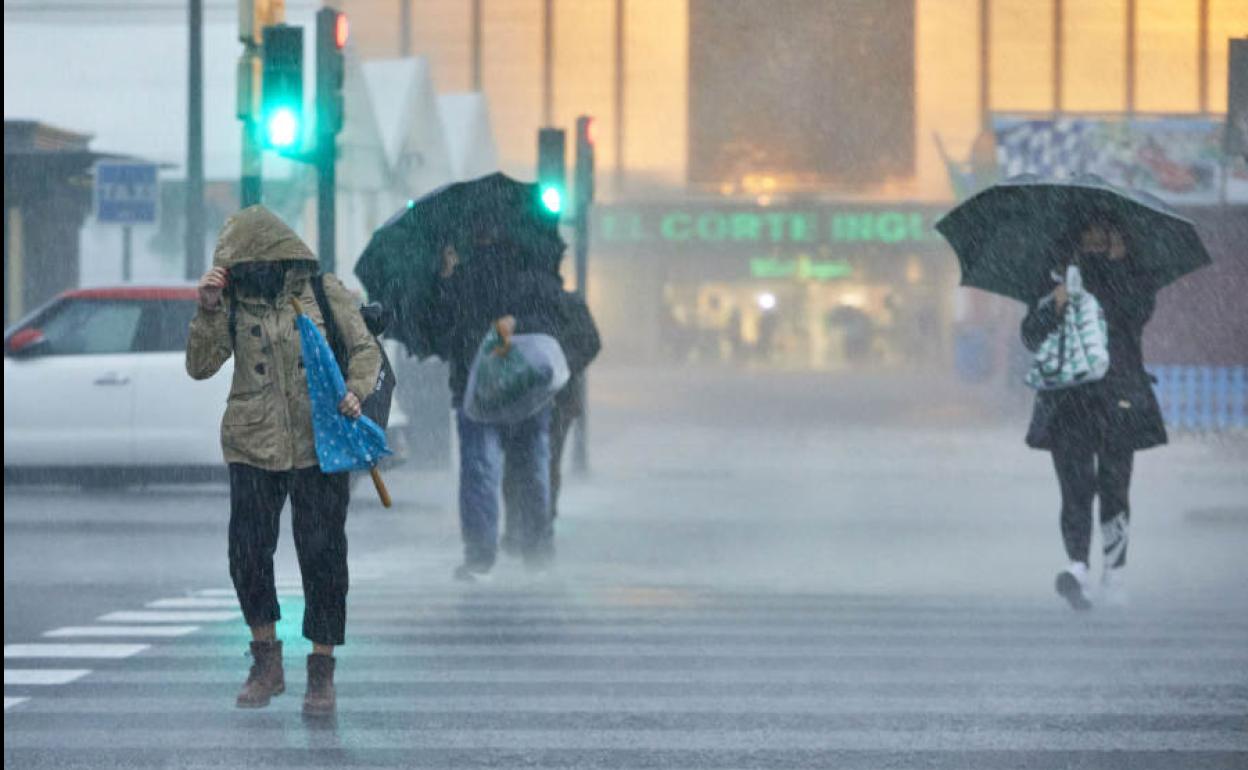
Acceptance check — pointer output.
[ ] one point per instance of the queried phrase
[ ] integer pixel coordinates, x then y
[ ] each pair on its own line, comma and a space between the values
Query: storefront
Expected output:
803, 285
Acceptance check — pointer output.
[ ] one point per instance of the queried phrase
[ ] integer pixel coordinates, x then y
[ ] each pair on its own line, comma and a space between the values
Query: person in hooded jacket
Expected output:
245, 312
1094, 430
485, 281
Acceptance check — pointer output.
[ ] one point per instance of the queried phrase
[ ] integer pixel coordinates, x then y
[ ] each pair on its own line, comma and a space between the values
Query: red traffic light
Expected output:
586, 126
341, 31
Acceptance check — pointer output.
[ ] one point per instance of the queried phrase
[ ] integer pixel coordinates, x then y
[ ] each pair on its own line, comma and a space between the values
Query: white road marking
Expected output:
162, 631
193, 603
87, 650
42, 676
11, 702
169, 616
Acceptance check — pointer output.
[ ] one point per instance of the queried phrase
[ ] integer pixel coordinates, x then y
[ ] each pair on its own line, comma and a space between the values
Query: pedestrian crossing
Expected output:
582, 676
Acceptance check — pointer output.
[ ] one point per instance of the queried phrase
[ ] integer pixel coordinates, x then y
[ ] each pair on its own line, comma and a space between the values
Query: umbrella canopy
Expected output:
400, 265
1010, 236
342, 444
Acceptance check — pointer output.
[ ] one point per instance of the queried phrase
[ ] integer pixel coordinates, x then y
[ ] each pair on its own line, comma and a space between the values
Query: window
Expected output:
91, 327
165, 326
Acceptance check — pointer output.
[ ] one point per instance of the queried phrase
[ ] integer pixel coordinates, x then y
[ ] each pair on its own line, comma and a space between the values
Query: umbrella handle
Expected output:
382, 492
298, 306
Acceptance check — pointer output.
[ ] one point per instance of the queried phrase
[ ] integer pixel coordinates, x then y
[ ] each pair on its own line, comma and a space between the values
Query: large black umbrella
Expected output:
400, 265
1010, 236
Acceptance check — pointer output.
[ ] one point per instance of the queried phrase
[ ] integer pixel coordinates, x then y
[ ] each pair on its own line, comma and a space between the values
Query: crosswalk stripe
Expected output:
43, 676
53, 650
153, 631
169, 616
11, 702
193, 603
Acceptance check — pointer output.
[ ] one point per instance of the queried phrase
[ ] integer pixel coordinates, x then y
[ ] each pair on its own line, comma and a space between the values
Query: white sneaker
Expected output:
1072, 585
1114, 587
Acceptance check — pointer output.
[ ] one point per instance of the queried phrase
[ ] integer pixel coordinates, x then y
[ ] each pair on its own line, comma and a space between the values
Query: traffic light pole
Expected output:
326, 186
580, 442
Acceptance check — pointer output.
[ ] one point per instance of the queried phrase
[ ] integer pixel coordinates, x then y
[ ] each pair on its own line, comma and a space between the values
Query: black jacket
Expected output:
1119, 412
474, 297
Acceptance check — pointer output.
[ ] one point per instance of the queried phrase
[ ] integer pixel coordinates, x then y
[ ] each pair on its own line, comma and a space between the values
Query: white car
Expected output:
95, 384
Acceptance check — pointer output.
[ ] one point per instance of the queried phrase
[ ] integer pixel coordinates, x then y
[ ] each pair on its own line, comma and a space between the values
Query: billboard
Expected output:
1180, 160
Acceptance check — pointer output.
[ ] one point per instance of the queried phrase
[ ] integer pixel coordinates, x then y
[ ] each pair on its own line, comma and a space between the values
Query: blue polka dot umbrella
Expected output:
342, 443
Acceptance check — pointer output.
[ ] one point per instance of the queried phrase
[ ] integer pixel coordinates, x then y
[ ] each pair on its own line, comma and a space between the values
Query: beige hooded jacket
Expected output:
268, 417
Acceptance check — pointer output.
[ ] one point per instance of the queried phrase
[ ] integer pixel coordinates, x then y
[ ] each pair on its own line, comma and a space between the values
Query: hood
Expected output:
255, 234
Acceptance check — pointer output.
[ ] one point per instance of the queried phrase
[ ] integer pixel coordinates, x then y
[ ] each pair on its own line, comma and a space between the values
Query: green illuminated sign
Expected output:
803, 268
766, 227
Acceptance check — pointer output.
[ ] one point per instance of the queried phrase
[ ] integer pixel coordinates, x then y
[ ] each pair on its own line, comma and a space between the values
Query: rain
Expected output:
626, 384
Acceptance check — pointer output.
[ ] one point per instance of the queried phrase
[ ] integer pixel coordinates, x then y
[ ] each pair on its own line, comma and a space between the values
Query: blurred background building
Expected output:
769, 172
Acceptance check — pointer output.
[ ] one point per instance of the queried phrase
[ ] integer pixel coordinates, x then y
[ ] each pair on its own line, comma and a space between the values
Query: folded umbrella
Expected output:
1008, 237
342, 444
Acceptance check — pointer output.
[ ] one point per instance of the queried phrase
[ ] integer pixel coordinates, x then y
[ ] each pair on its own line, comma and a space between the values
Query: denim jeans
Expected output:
525, 449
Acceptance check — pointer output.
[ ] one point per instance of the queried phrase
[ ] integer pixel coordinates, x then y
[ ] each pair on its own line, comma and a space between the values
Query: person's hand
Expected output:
1061, 296
450, 260
350, 406
210, 287
506, 326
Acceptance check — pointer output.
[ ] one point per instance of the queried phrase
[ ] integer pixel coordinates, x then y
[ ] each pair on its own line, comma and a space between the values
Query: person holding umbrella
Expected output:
462, 260
1093, 430
1017, 238
246, 312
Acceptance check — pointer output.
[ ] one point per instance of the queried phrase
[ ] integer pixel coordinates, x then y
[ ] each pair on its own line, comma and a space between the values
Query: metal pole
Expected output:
618, 117
548, 62
580, 442
1058, 45
985, 63
127, 254
326, 186
195, 144
405, 28
1130, 48
251, 189
476, 45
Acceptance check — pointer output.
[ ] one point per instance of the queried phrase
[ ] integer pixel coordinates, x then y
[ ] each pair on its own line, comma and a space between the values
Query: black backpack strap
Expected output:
333, 334
233, 325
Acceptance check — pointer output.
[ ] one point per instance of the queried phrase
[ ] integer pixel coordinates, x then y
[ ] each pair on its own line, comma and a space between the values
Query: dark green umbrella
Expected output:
1009, 237
400, 265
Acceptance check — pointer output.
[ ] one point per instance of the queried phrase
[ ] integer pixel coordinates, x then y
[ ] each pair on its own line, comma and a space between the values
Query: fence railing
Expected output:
1203, 398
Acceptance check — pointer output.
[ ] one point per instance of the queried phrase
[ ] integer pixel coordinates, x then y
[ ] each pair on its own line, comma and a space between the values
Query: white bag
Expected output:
1077, 351
516, 385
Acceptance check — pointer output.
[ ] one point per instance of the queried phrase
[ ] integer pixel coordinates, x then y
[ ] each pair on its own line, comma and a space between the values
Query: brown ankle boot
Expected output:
320, 699
267, 678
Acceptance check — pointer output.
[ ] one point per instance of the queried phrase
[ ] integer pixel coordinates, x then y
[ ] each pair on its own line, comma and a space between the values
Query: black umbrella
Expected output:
1010, 236
400, 265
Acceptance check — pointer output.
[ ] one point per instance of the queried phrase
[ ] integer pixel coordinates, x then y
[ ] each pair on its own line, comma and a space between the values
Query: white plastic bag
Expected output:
508, 388
1077, 351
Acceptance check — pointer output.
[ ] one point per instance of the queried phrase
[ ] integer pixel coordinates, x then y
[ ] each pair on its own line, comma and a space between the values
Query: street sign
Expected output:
126, 193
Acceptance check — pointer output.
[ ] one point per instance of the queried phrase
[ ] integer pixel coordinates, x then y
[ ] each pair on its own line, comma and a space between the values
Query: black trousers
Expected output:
318, 503
1085, 471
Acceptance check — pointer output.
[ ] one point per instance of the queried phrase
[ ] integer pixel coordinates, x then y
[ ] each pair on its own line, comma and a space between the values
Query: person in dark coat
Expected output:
582, 345
1093, 430
494, 285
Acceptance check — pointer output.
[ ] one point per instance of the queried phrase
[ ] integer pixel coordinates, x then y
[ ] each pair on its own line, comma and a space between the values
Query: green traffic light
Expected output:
552, 199
282, 128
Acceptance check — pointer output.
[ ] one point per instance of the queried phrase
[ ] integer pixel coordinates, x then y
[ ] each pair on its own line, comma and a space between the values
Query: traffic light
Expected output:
281, 111
331, 39
584, 163
551, 170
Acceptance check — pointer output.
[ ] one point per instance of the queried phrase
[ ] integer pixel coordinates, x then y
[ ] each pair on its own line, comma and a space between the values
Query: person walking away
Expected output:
245, 312
495, 287
1093, 430
569, 406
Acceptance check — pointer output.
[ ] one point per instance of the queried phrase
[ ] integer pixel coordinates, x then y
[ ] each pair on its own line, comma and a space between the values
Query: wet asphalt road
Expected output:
784, 592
